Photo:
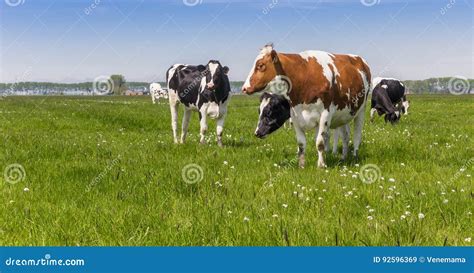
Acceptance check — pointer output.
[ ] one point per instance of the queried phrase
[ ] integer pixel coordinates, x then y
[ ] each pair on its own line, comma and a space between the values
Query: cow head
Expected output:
266, 74
215, 75
393, 117
274, 112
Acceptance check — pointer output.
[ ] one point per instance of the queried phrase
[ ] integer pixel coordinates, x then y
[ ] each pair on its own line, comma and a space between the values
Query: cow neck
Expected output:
293, 68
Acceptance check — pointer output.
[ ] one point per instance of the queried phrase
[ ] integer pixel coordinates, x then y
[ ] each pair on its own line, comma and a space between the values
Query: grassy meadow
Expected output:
95, 171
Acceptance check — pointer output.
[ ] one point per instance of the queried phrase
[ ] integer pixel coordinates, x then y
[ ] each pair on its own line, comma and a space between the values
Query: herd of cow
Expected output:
315, 90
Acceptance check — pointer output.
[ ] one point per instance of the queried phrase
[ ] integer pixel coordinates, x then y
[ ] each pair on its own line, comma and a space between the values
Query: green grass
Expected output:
104, 171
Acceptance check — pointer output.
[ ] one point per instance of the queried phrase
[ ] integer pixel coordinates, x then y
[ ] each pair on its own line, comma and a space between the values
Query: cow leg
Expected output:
372, 114
345, 130
220, 122
153, 98
326, 141
220, 130
335, 140
301, 139
324, 123
185, 125
203, 124
174, 116
358, 125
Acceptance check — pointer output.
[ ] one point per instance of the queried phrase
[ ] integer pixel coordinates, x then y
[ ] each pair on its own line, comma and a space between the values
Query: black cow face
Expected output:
214, 75
392, 117
274, 112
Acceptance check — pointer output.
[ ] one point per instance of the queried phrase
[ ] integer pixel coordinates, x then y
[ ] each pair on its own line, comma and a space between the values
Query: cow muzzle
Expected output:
211, 86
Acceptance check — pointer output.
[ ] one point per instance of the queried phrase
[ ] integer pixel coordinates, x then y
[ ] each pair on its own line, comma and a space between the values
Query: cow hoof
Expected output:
322, 165
220, 144
203, 142
356, 157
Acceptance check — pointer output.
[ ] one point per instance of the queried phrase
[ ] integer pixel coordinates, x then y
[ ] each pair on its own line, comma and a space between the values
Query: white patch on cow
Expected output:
265, 50
377, 80
307, 116
212, 69
384, 86
213, 110
263, 104
278, 86
325, 60
366, 87
203, 84
341, 117
348, 94
406, 105
372, 113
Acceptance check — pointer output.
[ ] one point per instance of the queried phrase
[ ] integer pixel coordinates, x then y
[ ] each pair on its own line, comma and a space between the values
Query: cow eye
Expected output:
261, 67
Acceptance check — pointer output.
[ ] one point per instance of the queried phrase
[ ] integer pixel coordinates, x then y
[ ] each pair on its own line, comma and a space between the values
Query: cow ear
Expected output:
276, 63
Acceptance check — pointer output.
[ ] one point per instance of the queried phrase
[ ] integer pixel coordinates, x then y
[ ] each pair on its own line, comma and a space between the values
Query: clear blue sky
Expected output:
71, 41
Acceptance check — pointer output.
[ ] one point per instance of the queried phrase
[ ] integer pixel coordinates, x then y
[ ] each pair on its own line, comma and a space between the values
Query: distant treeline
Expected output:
440, 86
432, 85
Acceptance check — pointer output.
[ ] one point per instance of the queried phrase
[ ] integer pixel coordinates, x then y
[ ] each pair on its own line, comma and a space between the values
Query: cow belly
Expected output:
307, 116
213, 110
341, 117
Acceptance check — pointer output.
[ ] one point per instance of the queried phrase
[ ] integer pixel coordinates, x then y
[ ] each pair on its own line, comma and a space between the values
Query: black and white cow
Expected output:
157, 92
200, 88
275, 110
388, 98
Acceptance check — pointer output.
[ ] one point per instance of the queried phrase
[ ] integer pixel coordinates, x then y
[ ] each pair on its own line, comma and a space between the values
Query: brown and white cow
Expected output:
324, 90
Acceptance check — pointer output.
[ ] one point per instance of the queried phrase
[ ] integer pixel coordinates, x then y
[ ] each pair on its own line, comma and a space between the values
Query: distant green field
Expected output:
103, 171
